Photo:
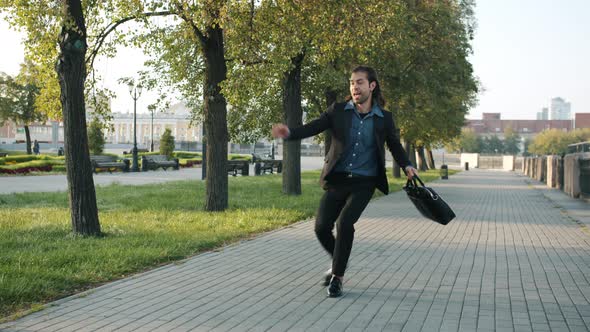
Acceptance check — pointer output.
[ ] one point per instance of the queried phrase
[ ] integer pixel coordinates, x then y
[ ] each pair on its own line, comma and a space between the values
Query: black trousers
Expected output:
342, 205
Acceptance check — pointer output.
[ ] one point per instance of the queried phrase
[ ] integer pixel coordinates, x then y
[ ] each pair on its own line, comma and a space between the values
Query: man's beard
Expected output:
362, 99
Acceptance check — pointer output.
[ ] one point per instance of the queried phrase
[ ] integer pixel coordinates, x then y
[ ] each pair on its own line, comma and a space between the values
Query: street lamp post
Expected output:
135, 92
152, 110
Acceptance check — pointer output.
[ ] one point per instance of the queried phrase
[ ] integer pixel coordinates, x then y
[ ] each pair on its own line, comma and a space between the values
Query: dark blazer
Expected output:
339, 121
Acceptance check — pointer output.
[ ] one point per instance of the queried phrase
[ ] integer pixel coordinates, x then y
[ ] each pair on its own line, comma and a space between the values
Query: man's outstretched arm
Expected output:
313, 128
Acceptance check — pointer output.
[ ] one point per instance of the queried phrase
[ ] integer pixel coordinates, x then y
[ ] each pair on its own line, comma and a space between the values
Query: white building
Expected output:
177, 118
560, 110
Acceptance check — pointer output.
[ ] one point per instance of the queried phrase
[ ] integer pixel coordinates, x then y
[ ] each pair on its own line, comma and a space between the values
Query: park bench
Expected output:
108, 162
270, 166
138, 151
259, 157
154, 161
238, 166
2, 154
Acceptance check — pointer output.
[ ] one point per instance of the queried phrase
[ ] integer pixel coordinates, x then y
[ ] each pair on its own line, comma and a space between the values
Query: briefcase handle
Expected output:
413, 181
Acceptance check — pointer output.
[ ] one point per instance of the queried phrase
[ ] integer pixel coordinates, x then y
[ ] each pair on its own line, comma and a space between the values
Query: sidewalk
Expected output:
50, 183
577, 209
511, 261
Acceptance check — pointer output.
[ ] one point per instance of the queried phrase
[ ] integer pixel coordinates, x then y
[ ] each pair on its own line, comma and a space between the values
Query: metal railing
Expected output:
491, 162
579, 147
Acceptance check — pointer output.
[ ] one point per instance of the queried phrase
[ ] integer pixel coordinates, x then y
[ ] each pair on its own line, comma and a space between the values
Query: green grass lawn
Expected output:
143, 226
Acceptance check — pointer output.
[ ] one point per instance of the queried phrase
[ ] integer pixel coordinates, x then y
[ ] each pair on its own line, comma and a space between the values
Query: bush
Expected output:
18, 164
20, 158
189, 162
17, 159
95, 137
111, 154
187, 155
34, 163
31, 166
555, 142
167, 143
247, 157
139, 154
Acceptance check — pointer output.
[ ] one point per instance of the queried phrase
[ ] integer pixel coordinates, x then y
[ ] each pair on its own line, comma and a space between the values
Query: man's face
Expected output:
360, 88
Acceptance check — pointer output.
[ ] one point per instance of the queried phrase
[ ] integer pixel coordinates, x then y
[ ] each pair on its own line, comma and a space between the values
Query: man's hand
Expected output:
279, 130
410, 172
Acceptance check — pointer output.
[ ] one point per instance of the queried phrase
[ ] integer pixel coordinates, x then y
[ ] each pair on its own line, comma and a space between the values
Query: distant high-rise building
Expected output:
544, 114
560, 110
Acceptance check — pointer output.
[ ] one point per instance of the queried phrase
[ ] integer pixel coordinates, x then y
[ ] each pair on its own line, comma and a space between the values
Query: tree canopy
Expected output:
419, 49
271, 60
555, 141
17, 100
18, 97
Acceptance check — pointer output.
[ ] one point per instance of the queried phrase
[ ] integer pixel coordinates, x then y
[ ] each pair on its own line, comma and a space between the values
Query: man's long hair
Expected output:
376, 96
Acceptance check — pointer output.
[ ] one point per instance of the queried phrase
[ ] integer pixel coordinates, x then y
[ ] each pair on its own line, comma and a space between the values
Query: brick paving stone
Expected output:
512, 260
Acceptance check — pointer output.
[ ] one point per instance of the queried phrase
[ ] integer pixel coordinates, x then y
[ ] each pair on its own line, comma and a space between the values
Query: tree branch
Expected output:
195, 28
111, 27
256, 62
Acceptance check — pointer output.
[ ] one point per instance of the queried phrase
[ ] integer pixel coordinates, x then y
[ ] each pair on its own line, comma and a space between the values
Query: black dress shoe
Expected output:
335, 287
327, 278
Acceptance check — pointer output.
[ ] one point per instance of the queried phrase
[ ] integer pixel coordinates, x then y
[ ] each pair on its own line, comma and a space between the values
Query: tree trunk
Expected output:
431, 163
422, 158
396, 170
215, 108
28, 139
409, 147
71, 69
331, 98
293, 114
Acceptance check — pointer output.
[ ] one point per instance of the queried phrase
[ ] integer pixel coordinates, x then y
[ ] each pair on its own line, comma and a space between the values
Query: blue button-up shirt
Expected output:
360, 153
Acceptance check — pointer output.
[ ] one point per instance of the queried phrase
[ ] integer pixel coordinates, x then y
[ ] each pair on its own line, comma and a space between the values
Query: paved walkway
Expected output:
511, 261
48, 183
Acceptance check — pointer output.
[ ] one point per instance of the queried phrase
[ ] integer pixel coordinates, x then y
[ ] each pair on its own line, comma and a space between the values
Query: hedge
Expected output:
32, 166
108, 154
247, 157
139, 154
186, 154
12, 159
189, 162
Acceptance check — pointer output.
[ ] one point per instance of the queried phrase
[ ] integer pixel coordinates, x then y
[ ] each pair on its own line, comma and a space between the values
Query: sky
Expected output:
128, 62
525, 52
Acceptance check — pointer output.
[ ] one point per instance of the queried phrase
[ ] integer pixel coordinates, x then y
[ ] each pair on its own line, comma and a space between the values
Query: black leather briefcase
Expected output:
428, 202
